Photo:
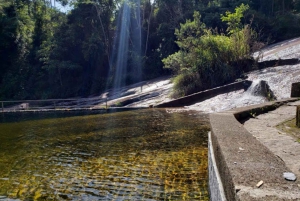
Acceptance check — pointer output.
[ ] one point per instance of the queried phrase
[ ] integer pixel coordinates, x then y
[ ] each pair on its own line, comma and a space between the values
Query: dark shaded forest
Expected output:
46, 53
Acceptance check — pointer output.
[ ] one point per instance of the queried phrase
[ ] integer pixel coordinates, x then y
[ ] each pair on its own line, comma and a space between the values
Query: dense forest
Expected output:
48, 53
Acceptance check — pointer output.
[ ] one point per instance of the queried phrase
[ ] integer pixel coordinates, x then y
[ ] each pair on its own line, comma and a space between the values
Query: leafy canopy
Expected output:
234, 19
207, 59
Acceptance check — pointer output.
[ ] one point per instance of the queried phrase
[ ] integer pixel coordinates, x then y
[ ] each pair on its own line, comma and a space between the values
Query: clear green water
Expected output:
137, 155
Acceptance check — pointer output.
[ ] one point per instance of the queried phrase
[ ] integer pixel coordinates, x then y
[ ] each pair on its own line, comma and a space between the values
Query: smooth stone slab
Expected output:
289, 176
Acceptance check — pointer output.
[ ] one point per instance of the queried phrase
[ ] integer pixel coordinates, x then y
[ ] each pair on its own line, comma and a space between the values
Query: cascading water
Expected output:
257, 93
254, 88
279, 78
261, 88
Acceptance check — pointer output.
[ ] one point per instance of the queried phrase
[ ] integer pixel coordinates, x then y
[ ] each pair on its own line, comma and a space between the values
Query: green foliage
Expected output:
189, 31
286, 26
207, 59
184, 83
45, 53
15, 43
234, 19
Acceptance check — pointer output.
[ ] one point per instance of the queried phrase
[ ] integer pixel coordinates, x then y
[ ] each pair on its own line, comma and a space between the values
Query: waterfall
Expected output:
259, 92
260, 88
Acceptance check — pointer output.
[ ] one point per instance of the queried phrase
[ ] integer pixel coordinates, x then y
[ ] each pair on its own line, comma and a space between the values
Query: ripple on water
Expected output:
96, 160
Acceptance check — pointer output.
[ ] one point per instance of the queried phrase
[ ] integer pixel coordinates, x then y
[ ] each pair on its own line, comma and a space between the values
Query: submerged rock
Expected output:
289, 176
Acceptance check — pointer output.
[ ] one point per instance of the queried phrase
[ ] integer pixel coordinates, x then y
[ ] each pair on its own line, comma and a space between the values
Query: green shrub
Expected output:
186, 83
207, 59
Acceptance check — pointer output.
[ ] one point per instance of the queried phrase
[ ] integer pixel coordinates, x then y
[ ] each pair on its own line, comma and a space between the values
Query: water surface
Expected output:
137, 155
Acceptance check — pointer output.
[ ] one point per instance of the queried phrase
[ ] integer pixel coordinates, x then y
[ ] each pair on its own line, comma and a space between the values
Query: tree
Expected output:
207, 59
233, 20
45, 53
17, 28
79, 51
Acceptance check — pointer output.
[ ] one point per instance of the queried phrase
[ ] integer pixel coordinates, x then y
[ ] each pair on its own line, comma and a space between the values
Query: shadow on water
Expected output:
137, 155
10, 117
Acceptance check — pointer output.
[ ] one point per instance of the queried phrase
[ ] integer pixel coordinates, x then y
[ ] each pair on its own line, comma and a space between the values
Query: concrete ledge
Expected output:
251, 111
242, 161
100, 110
295, 91
277, 62
216, 189
203, 95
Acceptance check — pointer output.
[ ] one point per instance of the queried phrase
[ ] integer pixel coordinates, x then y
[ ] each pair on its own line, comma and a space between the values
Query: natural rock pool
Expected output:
152, 154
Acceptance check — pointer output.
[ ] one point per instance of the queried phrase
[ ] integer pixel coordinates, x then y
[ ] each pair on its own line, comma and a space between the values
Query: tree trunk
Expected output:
106, 37
148, 30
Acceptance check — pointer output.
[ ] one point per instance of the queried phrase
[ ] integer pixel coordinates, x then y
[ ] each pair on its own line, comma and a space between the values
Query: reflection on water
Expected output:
137, 155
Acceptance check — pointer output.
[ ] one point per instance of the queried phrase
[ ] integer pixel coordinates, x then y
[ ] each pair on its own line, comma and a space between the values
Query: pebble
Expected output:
259, 184
289, 176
